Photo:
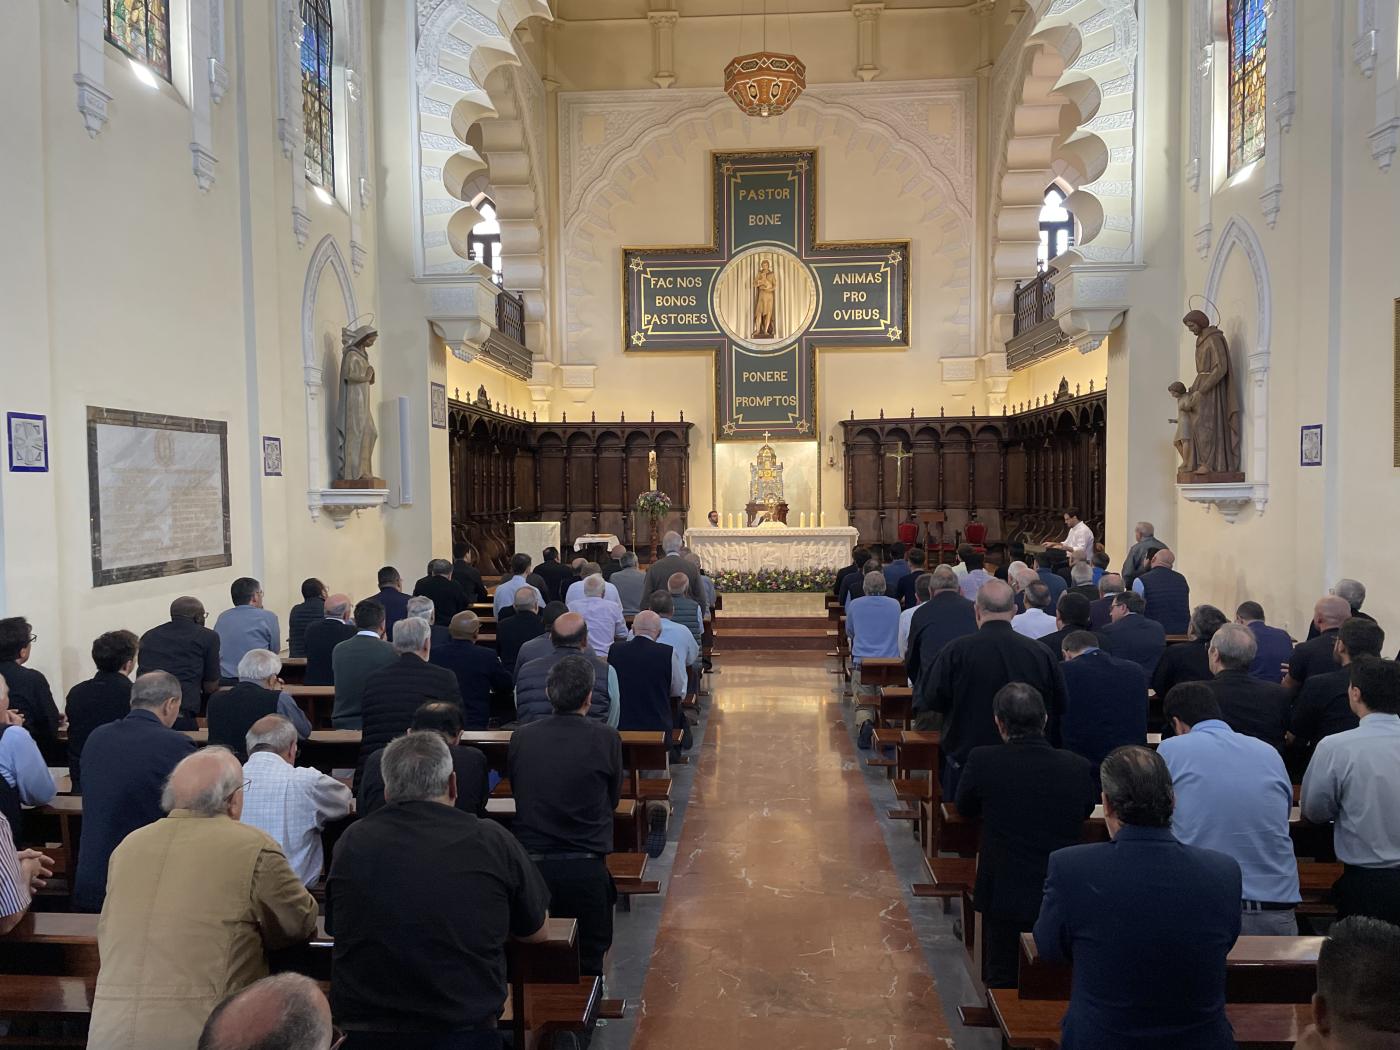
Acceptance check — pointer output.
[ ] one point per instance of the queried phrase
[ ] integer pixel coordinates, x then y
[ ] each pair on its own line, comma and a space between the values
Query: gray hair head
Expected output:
594, 586
339, 606
1234, 644
411, 635
671, 542
1352, 591
416, 767
525, 600
628, 560
1145, 529
203, 782
258, 665
154, 688
996, 598
1038, 596
422, 608
570, 683
1110, 583
874, 583
1081, 573
286, 1010
273, 733
439, 567
944, 579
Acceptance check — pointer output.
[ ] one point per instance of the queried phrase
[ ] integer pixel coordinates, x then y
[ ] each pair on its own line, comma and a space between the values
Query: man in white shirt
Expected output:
923, 588
590, 569
1354, 780
1080, 538
505, 591
1037, 621
606, 623
291, 803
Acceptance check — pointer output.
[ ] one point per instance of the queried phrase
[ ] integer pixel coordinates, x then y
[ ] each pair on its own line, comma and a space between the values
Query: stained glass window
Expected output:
485, 239
1247, 96
316, 104
1056, 226
141, 30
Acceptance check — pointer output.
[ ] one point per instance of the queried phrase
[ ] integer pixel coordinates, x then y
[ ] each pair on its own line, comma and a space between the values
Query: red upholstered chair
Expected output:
976, 535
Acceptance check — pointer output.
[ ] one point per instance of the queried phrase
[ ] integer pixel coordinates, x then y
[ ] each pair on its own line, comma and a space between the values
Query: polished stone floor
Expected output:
785, 920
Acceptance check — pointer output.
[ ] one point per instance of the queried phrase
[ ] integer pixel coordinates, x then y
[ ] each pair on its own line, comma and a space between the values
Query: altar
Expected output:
771, 547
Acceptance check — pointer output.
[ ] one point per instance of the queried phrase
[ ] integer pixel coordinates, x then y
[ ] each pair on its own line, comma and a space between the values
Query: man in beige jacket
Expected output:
194, 902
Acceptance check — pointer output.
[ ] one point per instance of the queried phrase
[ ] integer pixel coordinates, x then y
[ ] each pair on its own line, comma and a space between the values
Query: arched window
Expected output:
140, 29
1247, 26
484, 241
317, 108
1056, 226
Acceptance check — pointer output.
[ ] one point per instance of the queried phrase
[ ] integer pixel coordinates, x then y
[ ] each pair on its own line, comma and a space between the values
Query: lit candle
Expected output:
823, 519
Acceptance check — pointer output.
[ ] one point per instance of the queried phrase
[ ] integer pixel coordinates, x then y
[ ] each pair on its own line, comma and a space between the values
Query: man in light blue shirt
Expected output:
575, 591
505, 592
1354, 780
677, 636
245, 627
21, 763
1233, 795
872, 625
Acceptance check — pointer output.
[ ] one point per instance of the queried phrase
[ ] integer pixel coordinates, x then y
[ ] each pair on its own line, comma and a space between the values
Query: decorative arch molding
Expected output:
325, 254
939, 170
460, 45
1231, 499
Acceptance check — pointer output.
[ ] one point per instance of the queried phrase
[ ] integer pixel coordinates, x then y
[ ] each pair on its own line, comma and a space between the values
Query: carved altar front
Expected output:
749, 550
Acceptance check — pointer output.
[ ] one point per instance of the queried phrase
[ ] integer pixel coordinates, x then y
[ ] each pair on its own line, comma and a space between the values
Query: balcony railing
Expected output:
510, 315
1034, 302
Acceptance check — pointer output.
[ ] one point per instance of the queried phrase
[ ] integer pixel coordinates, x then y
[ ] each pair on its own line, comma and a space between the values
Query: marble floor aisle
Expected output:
785, 925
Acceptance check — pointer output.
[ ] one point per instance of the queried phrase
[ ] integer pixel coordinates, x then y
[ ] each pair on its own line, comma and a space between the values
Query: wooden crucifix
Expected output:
899, 457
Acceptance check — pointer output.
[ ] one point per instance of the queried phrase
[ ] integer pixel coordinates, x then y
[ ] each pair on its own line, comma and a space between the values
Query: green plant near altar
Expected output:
784, 581
653, 504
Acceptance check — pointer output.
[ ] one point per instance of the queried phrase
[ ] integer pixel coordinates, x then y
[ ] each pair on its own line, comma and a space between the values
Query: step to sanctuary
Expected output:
804, 634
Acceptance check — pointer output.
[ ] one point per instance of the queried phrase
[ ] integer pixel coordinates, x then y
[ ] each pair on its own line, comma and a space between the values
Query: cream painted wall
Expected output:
1042, 379
467, 376
132, 289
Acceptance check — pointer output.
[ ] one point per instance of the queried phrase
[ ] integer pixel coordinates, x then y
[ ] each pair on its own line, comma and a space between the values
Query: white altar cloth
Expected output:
532, 537
749, 550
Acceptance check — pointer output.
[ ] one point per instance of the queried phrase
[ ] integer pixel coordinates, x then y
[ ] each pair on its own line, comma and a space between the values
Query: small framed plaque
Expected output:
272, 457
437, 404
29, 442
1310, 446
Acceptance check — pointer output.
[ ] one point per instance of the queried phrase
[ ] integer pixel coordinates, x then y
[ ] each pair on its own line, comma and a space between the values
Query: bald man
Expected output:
188, 650
283, 1011
651, 678
1166, 592
606, 624
226, 897
568, 636
324, 635
478, 669
969, 671
1316, 655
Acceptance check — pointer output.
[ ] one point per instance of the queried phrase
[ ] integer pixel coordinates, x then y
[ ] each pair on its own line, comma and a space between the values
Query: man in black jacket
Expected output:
478, 669
470, 765
29, 689
1316, 656
1248, 705
514, 631
1132, 636
970, 671
302, 616
1101, 608
556, 576
1166, 592
859, 556
258, 693
1071, 614
465, 575
1189, 661
905, 590
323, 636
447, 595
393, 693
187, 649
1322, 707
1032, 800
945, 616
103, 698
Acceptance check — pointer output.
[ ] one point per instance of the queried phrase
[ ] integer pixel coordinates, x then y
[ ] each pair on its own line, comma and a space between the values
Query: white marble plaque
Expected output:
159, 492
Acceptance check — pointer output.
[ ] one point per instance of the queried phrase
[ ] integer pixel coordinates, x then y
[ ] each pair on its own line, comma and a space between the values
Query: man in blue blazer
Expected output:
1105, 700
1130, 635
1146, 921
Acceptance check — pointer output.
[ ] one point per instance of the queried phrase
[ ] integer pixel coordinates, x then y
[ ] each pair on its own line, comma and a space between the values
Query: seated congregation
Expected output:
227, 810
1111, 779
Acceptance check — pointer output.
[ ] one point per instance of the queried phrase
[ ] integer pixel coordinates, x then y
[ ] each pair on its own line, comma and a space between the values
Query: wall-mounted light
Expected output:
831, 450
143, 73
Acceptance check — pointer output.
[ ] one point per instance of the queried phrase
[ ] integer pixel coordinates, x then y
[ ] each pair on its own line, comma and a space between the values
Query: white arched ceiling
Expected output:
935, 179
460, 44
1063, 102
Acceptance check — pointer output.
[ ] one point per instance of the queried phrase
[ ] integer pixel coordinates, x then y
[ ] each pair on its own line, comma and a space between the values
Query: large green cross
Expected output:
765, 294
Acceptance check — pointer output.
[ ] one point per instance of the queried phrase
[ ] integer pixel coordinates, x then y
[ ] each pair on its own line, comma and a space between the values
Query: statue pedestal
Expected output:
1219, 477
753, 508
360, 483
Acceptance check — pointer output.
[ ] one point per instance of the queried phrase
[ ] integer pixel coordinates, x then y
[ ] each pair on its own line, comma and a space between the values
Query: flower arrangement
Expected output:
776, 581
653, 504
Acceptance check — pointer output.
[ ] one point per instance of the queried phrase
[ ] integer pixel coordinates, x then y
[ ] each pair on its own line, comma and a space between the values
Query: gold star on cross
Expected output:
896, 257
636, 263
895, 334
729, 428
638, 338
802, 427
